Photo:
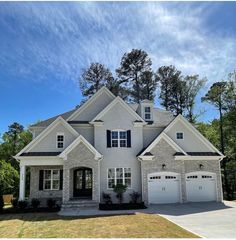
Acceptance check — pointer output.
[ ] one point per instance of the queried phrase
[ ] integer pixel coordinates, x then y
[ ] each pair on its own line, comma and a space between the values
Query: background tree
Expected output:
132, 67
193, 86
13, 141
165, 76
94, 78
147, 86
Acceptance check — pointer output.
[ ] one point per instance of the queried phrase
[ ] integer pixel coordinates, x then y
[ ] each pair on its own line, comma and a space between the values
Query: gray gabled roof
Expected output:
47, 122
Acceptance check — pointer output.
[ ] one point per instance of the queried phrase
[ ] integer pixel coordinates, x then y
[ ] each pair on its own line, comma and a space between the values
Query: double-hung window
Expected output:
119, 176
147, 113
119, 139
51, 179
60, 140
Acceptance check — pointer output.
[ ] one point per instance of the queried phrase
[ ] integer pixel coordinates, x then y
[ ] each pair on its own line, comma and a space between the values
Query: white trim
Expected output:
188, 157
168, 140
45, 132
112, 104
41, 161
79, 139
90, 101
194, 131
118, 139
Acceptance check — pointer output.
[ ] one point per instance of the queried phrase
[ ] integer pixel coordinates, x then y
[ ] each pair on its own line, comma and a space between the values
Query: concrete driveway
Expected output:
209, 220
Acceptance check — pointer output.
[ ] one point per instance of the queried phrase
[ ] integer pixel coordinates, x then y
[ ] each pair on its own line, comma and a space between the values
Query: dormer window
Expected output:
179, 135
147, 113
60, 140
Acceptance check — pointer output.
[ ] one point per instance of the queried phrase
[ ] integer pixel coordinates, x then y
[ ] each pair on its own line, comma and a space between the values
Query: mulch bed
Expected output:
122, 206
28, 210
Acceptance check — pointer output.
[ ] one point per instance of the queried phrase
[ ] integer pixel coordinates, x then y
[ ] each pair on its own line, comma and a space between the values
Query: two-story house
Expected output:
84, 152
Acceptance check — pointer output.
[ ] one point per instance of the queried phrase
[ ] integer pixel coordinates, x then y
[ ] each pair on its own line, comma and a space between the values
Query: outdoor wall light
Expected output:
163, 166
201, 166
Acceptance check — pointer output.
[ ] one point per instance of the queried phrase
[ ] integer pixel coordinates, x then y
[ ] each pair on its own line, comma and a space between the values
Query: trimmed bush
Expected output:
107, 198
35, 203
120, 189
134, 197
22, 204
14, 202
51, 203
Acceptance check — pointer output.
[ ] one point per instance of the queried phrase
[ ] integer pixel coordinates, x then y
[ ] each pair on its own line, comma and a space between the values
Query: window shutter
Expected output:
129, 138
41, 179
61, 179
108, 138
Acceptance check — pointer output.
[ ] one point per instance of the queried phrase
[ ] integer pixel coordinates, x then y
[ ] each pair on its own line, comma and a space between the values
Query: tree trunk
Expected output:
138, 90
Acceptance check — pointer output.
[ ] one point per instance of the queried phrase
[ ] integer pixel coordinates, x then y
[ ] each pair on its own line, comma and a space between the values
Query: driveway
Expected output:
210, 220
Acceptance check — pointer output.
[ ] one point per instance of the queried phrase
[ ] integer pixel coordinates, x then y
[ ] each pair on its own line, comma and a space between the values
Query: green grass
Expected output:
50, 225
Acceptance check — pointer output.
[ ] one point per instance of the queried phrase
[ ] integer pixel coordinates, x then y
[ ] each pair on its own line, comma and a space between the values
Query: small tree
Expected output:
120, 189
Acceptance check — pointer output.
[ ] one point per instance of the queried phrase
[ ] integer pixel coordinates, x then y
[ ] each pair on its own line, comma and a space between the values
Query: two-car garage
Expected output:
165, 187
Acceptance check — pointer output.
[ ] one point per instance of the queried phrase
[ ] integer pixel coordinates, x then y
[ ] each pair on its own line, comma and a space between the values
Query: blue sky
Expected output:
44, 46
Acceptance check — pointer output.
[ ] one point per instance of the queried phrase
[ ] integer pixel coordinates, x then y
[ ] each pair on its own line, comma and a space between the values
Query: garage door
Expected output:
164, 187
201, 186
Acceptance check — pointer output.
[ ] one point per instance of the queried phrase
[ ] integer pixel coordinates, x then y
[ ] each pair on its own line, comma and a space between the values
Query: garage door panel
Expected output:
200, 186
164, 188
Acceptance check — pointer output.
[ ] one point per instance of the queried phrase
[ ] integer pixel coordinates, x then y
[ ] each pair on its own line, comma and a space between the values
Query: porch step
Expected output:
79, 204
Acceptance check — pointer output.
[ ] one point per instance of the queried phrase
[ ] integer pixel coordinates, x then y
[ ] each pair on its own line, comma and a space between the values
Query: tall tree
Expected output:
132, 67
166, 76
95, 77
215, 96
193, 86
147, 86
13, 141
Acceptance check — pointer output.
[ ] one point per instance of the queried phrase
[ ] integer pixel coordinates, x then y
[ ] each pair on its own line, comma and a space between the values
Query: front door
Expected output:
83, 182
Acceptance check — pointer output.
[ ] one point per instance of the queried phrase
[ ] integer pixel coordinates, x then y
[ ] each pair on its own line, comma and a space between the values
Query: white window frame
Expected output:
123, 179
51, 179
60, 134
119, 139
143, 112
147, 119
179, 138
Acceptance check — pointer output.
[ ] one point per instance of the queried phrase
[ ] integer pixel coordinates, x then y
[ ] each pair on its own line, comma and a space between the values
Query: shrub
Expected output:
14, 202
22, 204
51, 203
107, 198
119, 189
1, 203
134, 197
35, 203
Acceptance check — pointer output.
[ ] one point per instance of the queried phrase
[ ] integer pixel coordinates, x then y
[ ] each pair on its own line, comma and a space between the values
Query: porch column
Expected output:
66, 185
22, 182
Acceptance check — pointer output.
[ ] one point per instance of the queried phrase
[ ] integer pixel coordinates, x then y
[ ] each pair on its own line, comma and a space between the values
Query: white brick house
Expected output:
86, 151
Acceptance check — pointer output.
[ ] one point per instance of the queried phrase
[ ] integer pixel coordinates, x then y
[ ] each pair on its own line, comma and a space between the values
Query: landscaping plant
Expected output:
51, 203
35, 203
107, 198
120, 189
14, 202
134, 197
22, 204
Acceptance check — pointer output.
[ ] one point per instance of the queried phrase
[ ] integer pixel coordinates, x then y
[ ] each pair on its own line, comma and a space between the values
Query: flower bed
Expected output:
122, 206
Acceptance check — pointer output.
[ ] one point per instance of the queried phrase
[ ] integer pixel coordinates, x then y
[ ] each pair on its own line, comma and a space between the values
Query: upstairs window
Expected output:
147, 113
60, 140
179, 135
119, 139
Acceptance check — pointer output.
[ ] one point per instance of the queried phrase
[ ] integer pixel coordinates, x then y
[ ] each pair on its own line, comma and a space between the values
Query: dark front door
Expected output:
83, 182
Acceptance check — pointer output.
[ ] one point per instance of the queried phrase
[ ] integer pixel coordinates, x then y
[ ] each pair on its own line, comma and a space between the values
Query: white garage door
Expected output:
164, 187
201, 186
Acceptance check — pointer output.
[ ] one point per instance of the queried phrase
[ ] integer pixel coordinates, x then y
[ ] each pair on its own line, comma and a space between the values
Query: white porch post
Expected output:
22, 182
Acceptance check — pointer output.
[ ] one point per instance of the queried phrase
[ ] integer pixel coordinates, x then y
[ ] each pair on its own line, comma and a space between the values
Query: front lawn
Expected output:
45, 225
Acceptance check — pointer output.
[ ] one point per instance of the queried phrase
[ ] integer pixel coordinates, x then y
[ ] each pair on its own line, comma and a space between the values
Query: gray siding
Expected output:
87, 132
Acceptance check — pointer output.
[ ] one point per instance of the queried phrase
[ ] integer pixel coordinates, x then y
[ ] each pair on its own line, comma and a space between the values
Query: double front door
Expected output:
83, 183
